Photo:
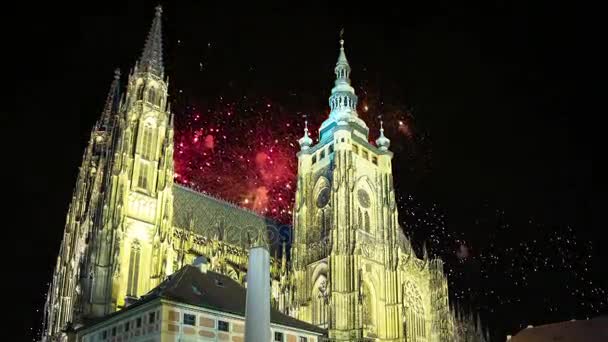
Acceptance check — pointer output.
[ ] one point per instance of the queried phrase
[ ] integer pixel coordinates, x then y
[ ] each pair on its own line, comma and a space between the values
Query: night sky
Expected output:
493, 161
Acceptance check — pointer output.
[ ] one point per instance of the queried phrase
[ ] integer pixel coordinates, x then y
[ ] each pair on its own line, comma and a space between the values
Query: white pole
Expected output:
257, 311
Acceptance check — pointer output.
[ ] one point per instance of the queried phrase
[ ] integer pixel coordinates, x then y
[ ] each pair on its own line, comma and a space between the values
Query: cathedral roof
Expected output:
212, 217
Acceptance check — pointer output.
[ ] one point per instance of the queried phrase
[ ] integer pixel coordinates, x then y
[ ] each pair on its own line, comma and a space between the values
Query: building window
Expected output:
142, 179
314, 159
342, 140
331, 148
147, 145
303, 339
189, 319
138, 322
375, 160
133, 275
278, 336
127, 326
104, 334
356, 149
223, 326
152, 317
322, 154
152, 96
364, 154
113, 331
140, 92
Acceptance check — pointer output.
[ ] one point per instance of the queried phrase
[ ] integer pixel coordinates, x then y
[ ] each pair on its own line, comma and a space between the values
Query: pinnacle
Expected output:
152, 56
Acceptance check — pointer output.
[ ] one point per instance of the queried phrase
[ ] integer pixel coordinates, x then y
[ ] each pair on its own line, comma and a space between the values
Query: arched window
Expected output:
367, 226
147, 142
152, 96
368, 310
133, 276
415, 320
140, 92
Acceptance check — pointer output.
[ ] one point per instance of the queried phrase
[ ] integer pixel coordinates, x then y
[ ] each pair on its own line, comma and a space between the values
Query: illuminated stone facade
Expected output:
353, 269
128, 227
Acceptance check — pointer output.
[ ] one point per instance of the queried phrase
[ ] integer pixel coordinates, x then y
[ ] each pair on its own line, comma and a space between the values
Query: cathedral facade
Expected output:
352, 271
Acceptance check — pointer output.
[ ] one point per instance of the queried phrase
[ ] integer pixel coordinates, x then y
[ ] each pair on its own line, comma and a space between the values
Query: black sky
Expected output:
492, 84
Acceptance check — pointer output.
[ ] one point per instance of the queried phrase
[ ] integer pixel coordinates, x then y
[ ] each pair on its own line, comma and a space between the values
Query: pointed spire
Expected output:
152, 56
342, 60
382, 142
112, 101
343, 98
305, 141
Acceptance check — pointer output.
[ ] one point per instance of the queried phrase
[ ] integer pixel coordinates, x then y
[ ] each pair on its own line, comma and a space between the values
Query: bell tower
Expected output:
132, 255
145, 177
345, 225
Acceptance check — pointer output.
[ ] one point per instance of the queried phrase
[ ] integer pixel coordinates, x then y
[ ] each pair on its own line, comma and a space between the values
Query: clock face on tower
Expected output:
323, 197
363, 198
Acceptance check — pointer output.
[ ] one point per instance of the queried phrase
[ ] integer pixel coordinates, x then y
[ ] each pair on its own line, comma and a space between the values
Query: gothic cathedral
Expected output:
352, 270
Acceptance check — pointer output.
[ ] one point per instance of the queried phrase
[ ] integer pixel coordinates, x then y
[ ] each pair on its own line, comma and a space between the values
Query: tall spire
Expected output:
342, 66
112, 100
152, 56
343, 99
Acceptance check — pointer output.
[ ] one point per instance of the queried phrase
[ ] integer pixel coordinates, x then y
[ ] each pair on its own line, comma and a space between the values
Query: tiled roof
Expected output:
210, 217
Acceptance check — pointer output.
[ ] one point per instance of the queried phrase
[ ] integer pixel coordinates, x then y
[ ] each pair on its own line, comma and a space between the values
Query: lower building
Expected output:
193, 304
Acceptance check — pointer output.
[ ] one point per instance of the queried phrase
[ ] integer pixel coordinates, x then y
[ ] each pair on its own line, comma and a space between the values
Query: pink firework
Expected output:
244, 151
